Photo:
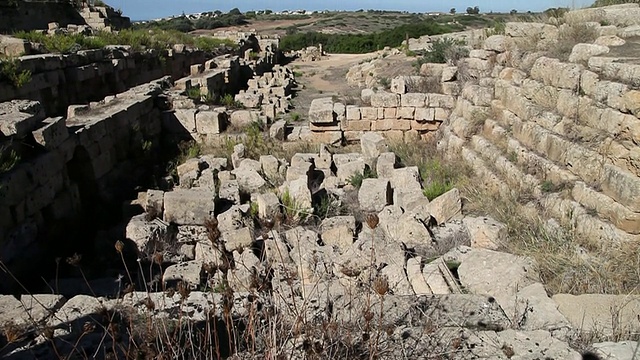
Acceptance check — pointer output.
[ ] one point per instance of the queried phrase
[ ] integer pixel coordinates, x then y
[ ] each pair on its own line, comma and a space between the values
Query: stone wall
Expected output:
58, 81
564, 132
74, 161
403, 116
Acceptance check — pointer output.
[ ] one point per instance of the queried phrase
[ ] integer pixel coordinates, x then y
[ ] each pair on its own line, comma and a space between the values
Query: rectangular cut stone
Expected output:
322, 111
413, 100
353, 112
441, 114
52, 134
424, 114
358, 125
400, 124
209, 122
369, 113
441, 100
382, 125
425, 125
406, 112
188, 207
385, 99
380, 113
326, 137
353, 136
390, 113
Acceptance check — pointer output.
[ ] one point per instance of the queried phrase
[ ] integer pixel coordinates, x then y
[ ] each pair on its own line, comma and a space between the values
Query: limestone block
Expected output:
353, 112
327, 137
390, 113
446, 206
358, 125
238, 239
485, 233
583, 52
441, 100
413, 100
20, 117
12, 47
52, 134
365, 95
404, 84
249, 100
424, 114
268, 205
210, 122
369, 113
338, 231
441, 114
498, 43
154, 202
188, 272
593, 312
277, 130
385, 99
374, 195
243, 118
610, 40
372, 144
188, 207
406, 113
553, 72
321, 111
249, 180
382, 125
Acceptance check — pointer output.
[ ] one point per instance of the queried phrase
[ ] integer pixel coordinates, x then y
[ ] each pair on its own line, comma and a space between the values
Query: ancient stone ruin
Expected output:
333, 249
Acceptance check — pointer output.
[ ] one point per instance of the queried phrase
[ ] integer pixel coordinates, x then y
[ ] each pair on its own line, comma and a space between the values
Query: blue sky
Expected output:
149, 9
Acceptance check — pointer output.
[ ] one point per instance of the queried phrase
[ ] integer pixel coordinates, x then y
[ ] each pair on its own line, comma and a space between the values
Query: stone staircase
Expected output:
565, 135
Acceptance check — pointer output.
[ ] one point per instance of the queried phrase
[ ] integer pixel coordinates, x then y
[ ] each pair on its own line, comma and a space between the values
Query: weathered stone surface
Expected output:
347, 169
385, 99
353, 112
385, 164
413, 100
238, 239
268, 205
148, 236
372, 144
243, 118
277, 130
374, 194
210, 122
583, 52
321, 111
20, 117
12, 47
498, 43
446, 206
188, 207
609, 40
52, 134
485, 233
249, 180
594, 312
338, 231
616, 351
188, 272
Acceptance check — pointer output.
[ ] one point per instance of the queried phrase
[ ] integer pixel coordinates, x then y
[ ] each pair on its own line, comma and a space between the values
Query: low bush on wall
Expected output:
137, 39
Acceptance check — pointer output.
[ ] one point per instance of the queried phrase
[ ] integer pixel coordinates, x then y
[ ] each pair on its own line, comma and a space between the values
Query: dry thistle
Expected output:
368, 315
170, 292
48, 333
128, 289
158, 259
213, 233
149, 304
74, 260
381, 285
13, 333
184, 290
372, 220
209, 268
119, 246
88, 327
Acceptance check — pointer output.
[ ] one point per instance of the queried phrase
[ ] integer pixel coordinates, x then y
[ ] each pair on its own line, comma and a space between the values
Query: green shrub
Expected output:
194, 93
384, 82
296, 116
356, 179
10, 70
9, 158
443, 51
365, 43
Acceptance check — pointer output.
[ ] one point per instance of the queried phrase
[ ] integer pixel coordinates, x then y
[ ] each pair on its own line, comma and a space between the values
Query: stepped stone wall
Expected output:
565, 132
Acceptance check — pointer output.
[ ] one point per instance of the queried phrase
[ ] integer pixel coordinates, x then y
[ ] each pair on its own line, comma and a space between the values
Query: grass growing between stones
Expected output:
356, 179
438, 175
567, 263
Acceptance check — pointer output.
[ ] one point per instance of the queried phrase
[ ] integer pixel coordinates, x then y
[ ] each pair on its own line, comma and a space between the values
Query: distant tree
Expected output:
452, 11
473, 10
235, 11
268, 12
218, 12
513, 11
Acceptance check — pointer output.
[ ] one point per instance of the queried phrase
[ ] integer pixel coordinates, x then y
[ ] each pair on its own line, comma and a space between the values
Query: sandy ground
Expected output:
324, 78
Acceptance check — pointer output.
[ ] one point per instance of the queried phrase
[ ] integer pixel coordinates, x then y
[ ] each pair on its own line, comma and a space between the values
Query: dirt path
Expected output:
324, 78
